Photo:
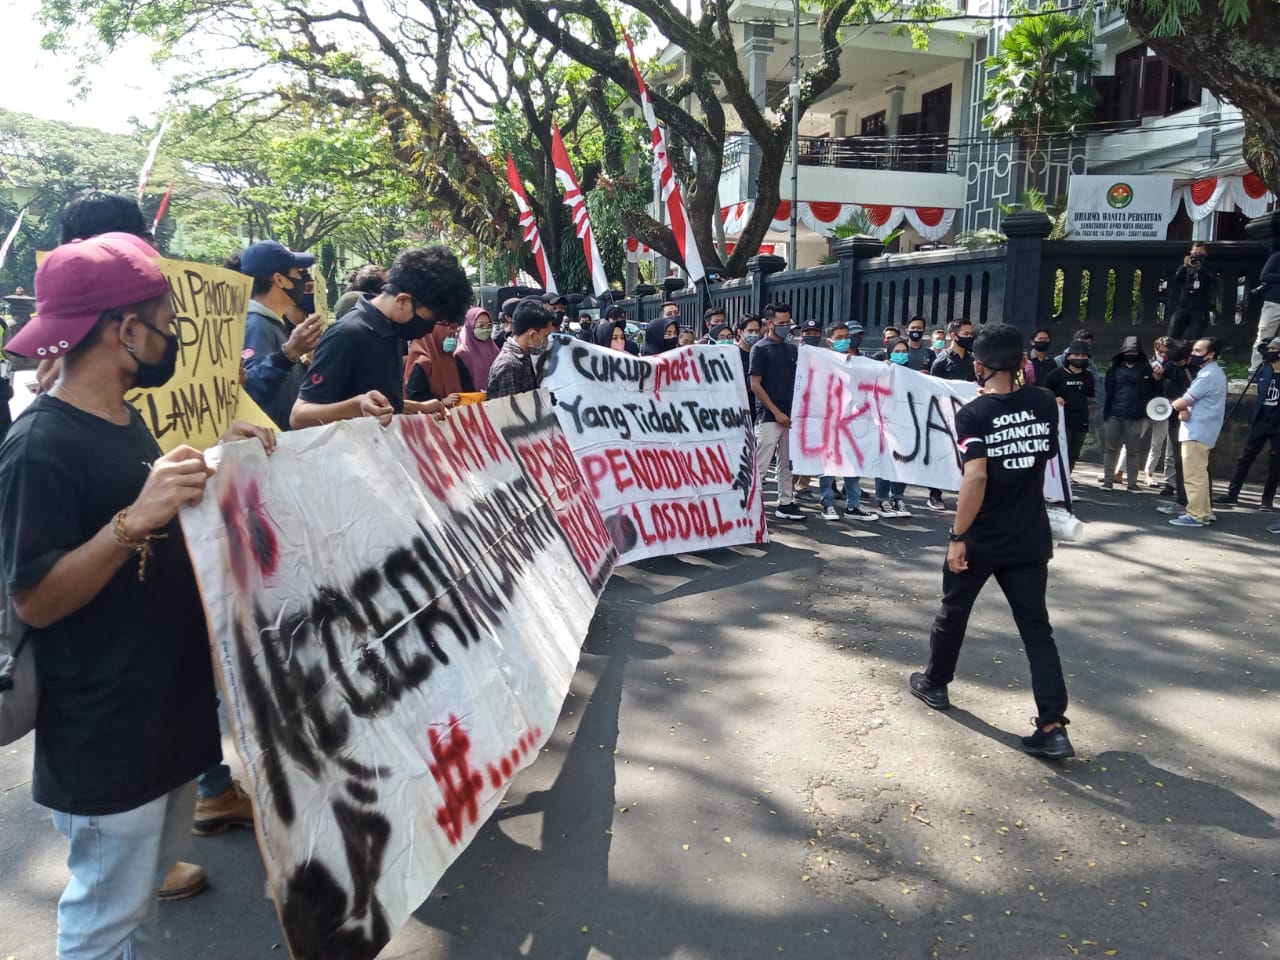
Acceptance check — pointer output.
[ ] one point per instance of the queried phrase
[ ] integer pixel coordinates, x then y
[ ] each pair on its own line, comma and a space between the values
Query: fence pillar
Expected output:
758, 268
1024, 253
850, 253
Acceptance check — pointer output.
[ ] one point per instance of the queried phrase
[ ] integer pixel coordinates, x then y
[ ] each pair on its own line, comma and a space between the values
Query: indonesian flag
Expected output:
151, 159
668, 184
578, 207
164, 205
8, 241
530, 226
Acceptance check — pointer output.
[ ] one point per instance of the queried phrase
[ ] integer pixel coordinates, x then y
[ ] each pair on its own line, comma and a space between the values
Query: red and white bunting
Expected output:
1247, 193
164, 205
530, 226
932, 223
638, 252
151, 159
8, 240
578, 208
668, 185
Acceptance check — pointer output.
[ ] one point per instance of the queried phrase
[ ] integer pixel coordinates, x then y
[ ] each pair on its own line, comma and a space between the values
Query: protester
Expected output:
504, 321
1269, 318
919, 357
611, 333
1079, 335
938, 340
811, 334
749, 329
889, 493
513, 371
713, 316
357, 369
1039, 362
957, 362
361, 284
1130, 384
721, 334
1264, 428
476, 349
686, 338
91, 213
1174, 383
1201, 411
856, 333
273, 348
1006, 436
1160, 448
671, 310
433, 371
660, 336
1192, 292
772, 378
96, 567
840, 341
1073, 387
890, 335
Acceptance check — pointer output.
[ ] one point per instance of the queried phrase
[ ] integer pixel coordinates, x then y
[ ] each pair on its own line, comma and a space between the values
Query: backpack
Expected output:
19, 687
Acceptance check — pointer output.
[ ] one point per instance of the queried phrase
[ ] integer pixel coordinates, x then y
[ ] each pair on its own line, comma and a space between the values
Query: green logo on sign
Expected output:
1120, 196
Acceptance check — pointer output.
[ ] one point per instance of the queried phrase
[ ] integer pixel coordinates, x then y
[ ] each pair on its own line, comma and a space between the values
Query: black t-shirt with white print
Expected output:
1017, 433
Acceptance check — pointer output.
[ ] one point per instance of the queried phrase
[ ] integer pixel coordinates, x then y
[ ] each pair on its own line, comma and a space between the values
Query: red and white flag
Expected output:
151, 159
578, 207
8, 241
530, 226
671, 194
164, 205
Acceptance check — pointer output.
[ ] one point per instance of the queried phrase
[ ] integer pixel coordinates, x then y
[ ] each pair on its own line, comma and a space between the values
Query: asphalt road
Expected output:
739, 771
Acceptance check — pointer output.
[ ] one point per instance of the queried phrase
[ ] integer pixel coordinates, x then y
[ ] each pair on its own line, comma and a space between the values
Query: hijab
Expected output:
476, 355
604, 332
441, 368
655, 340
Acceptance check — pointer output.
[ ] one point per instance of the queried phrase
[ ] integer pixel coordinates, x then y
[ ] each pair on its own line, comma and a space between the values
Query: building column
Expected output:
840, 123
756, 50
894, 111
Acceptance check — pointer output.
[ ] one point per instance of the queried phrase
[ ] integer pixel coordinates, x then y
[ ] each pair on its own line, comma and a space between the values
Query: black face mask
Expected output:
1042, 346
1077, 362
1197, 362
307, 304
964, 342
855, 341
915, 334
812, 338
298, 291
1131, 357
1270, 357
157, 374
414, 328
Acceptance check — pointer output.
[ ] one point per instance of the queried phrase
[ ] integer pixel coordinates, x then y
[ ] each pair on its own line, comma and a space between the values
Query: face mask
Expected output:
724, 341
888, 340
298, 291
939, 344
1041, 346
751, 339
482, 335
964, 342
811, 340
1131, 357
899, 358
782, 333
161, 372
673, 336
1270, 357
1083, 364
842, 345
855, 342
915, 335
450, 344
1197, 362
414, 328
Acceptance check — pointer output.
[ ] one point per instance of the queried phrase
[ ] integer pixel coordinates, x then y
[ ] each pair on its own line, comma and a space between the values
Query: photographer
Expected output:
1192, 293
1269, 320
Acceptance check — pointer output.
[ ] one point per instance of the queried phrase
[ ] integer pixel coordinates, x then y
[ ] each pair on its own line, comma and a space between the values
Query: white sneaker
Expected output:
829, 513
900, 508
886, 510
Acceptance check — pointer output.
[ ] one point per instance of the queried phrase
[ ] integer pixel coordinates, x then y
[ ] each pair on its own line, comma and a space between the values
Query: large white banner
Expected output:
1119, 207
396, 614
666, 445
856, 417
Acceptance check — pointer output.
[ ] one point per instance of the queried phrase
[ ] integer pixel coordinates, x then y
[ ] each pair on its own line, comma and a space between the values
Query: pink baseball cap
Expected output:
81, 280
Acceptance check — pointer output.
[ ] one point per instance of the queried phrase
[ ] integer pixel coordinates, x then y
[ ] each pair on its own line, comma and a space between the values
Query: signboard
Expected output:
665, 444
396, 614
1119, 207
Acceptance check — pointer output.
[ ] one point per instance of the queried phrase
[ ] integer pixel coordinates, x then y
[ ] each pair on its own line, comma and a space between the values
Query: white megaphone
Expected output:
1159, 409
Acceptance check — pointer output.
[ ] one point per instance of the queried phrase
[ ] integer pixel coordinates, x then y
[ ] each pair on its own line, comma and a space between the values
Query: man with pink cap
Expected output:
93, 559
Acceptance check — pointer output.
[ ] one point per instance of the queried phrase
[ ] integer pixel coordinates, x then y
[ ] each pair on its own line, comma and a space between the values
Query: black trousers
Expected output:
1024, 586
1252, 447
1075, 443
1188, 324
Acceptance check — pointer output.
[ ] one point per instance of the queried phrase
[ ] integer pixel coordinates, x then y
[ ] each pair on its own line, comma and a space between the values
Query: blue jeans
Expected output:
217, 779
889, 491
852, 492
108, 910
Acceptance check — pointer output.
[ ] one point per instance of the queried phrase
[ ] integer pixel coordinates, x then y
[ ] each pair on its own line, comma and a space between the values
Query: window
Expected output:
1143, 86
876, 125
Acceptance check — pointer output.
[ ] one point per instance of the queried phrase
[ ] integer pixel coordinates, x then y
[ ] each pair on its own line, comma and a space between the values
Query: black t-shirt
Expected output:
774, 362
745, 357
919, 358
1017, 433
952, 366
1195, 288
1076, 391
127, 710
358, 353
1042, 368
1266, 419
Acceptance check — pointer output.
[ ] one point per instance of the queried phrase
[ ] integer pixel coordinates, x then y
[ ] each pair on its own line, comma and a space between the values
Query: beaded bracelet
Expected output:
141, 547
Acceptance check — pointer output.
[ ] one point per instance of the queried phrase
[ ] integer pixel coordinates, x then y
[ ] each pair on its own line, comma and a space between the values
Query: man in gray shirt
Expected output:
1201, 411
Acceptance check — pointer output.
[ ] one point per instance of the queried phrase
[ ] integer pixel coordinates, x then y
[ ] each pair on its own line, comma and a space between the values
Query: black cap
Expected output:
551, 299
811, 324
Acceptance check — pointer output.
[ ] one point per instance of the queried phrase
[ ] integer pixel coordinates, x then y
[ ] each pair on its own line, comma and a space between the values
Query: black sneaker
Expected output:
1166, 491
1054, 745
934, 694
1230, 499
788, 512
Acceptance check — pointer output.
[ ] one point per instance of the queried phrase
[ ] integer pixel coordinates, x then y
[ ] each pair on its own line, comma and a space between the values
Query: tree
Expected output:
1229, 46
1041, 82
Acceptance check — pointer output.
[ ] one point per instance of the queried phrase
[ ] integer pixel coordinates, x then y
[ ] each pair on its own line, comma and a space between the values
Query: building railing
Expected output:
916, 154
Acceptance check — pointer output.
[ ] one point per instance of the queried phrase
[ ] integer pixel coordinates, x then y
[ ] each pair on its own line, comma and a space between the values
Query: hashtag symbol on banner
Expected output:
455, 778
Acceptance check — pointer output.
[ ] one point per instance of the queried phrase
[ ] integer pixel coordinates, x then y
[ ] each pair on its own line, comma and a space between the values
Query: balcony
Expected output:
917, 154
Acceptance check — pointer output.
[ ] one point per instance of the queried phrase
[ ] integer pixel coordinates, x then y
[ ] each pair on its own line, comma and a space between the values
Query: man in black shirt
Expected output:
358, 367
1264, 428
957, 362
773, 379
919, 357
1041, 362
749, 330
1073, 386
1192, 294
1130, 384
94, 561
1006, 436
513, 370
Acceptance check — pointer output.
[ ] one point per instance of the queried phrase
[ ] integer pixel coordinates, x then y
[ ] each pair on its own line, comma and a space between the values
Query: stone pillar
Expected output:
758, 269
893, 112
850, 254
840, 123
1024, 254
756, 51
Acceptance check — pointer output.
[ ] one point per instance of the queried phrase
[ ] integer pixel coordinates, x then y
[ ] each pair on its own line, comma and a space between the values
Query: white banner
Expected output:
396, 614
666, 445
1119, 207
856, 417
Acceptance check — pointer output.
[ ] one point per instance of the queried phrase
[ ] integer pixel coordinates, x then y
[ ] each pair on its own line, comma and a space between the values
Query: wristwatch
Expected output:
955, 537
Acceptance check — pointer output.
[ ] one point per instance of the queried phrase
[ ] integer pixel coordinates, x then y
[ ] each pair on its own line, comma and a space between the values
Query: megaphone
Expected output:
1159, 409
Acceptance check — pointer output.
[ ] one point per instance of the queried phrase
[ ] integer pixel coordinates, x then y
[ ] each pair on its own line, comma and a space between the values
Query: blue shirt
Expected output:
1208, 397
271, 378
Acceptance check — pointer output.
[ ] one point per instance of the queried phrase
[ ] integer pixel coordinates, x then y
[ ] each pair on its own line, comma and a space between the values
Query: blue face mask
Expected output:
841, 346
782, 333
899, 358
750, 339
450, 344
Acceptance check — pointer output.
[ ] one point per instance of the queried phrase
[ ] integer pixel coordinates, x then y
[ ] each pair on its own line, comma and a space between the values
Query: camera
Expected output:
1196, 260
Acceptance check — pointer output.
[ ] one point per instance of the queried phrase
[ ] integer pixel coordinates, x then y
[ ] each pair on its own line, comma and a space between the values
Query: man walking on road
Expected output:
1201, 411
1007, 435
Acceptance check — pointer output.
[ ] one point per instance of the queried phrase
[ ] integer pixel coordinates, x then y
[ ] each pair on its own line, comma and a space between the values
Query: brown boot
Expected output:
231, 808
183, 881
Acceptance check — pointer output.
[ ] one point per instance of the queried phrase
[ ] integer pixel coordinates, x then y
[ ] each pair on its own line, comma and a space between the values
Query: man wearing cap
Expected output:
93, 559
273, 349
1264, 428
358, 367
1073, 387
